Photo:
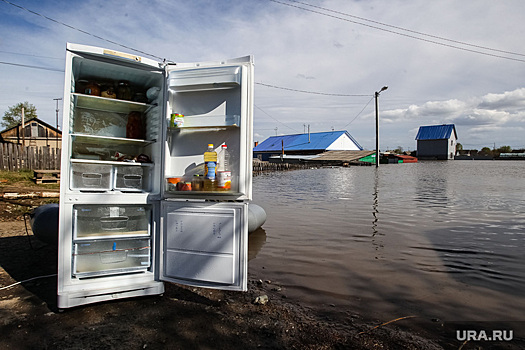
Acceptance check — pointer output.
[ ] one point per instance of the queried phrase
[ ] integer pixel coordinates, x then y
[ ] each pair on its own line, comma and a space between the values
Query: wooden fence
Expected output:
260, 167
14, 157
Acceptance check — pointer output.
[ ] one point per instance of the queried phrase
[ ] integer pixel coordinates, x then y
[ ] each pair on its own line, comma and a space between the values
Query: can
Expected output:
176, 120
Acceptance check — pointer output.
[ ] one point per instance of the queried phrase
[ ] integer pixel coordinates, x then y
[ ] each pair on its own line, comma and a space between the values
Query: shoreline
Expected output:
184, 317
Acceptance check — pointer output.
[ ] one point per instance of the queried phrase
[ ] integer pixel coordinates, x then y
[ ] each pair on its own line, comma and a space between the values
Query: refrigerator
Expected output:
136, 207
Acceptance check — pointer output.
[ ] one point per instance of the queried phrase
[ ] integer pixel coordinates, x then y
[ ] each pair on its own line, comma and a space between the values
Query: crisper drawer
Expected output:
129, 178
104, 257
92, 221
91, 177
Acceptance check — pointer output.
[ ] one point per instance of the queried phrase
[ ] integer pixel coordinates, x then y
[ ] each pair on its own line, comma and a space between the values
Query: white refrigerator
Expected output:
136, 209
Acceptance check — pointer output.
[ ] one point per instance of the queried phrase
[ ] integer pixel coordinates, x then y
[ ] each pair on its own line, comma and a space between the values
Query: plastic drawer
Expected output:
103, 257
104, 221
91, 177
129, 178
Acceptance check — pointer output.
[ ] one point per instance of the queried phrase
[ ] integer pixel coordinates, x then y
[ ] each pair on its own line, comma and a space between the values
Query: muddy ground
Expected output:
182, 318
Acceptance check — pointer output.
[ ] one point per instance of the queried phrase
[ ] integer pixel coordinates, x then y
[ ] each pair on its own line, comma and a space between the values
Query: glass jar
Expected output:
124, 91
92, 88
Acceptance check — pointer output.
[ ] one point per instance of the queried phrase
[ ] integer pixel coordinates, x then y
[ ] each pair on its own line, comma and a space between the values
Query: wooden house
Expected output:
37, 133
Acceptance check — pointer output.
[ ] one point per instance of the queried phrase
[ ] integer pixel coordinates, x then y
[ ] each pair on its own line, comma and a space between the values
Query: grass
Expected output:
22, 178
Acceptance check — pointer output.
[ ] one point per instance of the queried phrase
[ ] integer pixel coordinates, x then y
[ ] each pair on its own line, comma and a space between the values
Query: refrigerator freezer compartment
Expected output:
105, 221
102, 257
91, 177
205, 79
130, 178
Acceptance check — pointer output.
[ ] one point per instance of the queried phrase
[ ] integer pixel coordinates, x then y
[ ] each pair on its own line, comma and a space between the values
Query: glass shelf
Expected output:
108, 104
110, 162
108, 141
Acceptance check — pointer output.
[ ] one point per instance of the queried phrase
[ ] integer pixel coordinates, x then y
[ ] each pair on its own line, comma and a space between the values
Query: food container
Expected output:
124, 91
171, 183
92, 88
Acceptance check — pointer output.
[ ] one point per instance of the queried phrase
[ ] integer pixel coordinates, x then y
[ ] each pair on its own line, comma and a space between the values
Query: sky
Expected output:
317, 63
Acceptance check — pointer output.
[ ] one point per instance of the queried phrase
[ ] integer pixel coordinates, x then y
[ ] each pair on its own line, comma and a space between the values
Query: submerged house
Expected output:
305, 144
436, 142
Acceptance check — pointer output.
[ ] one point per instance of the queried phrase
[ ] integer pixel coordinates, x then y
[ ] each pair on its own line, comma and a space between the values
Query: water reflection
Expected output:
376, 239
256, 240
484, 255
445, 237
431, 185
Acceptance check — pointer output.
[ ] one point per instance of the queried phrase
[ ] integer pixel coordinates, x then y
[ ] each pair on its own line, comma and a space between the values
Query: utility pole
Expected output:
57, 99
308, 133
377, 124
23, 131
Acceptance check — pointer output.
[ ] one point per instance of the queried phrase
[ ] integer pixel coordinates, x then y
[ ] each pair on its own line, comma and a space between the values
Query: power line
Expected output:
311, 92
30, 66
358, 114
411, 31
30, 55
259, 108
403, 34
267, 85
82, 31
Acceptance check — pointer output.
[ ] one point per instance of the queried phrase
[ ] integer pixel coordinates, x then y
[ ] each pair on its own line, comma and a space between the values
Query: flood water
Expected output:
435, 239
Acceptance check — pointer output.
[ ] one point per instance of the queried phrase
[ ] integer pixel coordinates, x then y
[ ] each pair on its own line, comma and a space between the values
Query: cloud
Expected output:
508, 99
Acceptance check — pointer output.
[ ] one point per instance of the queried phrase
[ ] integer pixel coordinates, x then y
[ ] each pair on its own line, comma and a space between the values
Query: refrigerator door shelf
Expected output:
204, 244
203, 79
209, 121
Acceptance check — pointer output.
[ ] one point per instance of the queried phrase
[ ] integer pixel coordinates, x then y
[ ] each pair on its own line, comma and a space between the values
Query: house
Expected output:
436, 142
305, 145
37, 133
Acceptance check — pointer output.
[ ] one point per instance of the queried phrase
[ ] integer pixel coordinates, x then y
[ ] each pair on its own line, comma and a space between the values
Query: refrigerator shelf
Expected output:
111, 235
110, 162
108, 104
202, 193
108, 140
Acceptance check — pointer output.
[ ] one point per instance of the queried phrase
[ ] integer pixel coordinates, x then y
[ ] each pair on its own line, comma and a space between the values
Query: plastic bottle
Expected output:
224, 173
210, 168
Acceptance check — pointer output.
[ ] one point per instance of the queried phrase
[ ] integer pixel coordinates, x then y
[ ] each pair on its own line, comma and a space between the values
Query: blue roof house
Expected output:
306, 144
436, 142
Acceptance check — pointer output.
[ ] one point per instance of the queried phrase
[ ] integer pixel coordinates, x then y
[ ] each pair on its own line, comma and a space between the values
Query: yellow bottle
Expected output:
210, 168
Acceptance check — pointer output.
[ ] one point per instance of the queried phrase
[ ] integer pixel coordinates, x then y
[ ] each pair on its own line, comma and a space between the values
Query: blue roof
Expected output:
299, 142
436, 132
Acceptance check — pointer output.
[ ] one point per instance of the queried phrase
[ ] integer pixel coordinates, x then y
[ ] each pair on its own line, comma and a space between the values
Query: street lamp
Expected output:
377, 125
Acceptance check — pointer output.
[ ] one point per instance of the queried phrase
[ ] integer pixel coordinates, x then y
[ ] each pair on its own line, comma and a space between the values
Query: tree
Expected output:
459, 147
398, 150
486, 151
13, 115
504, 149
